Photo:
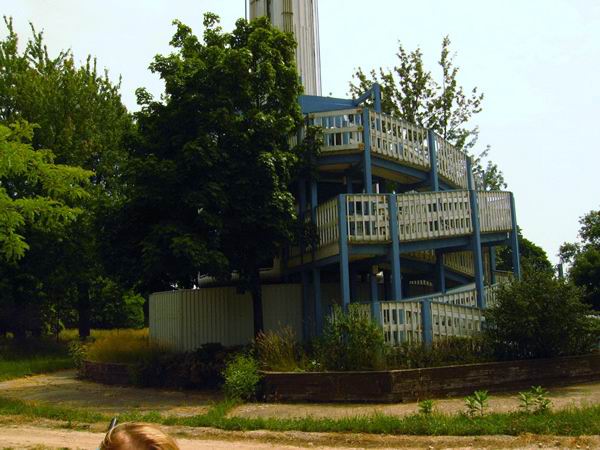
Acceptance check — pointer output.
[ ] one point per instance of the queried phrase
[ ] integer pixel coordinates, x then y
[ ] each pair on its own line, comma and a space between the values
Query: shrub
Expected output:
241, 378
426, 407
477, 403
351, 341
535, 399
450, 351
279, 351
198, 369
540, 317
77, 352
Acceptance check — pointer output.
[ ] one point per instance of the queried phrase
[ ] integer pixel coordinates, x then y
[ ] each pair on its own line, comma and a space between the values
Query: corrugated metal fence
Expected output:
187, 318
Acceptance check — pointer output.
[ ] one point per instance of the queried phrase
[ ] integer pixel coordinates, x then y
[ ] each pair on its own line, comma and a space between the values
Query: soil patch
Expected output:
563, 397
66, 389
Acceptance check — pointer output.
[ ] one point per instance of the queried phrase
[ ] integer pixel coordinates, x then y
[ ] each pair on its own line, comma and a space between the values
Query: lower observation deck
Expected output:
424, 222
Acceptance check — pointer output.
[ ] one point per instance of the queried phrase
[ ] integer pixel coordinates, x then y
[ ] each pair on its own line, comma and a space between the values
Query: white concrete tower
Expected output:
300, 17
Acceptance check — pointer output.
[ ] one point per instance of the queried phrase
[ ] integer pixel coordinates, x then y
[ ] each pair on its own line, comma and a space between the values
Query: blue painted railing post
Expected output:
305, 306
426, 321
395, 249
434, 180
377, 97
476, 238
349, 187
344, 257
440, 272
375, 309
367, 176
492, 265
514, 239
316, 275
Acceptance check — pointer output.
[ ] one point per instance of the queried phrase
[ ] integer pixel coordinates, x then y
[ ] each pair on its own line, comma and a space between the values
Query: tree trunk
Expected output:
83, 308
257, 308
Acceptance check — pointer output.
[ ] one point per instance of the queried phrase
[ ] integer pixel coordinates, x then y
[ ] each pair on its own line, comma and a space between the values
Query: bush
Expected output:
279, 351
351, 341
198, 369
241, 378
540, 317
447, 352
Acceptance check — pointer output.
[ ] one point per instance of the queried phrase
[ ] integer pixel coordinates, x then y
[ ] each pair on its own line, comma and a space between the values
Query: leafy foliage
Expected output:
213, 164
426, 407
533, 258
584, 257
477, 403
535, 400
79, 115
412, 93
241, 378
34, 192
351, 341
540, 317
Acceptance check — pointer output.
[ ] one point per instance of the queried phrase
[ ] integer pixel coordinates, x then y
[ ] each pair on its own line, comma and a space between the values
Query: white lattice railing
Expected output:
367, 217
342, 130
327, 223
494, 211
399, 140
401, 321
460, 262
450, 320
452, 163
431, 215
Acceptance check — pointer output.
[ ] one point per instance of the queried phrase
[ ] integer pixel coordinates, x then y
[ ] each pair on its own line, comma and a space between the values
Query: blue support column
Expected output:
313, 200
434, 180
514, 239
316, 276
344, 258
305, 306
349, 187
492, 265
440, 272
476, 238
367, 176
302, 207
395, 249
377, 97
426, 322
375, 310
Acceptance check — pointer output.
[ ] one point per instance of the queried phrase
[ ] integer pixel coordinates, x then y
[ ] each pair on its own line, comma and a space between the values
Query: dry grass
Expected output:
122, 346
72, 333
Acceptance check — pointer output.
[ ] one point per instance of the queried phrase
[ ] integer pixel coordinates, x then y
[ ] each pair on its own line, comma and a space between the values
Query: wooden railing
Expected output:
368, 217
450, 320
399, 140
421, 216
451, 162
327, 222
494, 211
342, 130
431, 215
401, 322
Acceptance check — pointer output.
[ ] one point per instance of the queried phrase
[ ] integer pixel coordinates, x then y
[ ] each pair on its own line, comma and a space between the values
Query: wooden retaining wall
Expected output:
418, 384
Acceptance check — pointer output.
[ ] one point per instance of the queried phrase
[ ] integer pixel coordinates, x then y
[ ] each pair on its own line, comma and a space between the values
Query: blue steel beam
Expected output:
476, 238
343, 252
395, 249
514, 239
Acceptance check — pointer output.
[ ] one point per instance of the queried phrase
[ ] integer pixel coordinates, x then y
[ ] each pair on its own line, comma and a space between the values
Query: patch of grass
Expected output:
16, 368
567, 422
122, 346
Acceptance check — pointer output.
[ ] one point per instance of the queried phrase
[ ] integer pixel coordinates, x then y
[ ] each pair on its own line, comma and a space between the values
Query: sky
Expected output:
537, 62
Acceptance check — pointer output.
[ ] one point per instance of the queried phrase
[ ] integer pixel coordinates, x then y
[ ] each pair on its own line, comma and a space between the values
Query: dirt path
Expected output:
563, 397
66, 389
28, 436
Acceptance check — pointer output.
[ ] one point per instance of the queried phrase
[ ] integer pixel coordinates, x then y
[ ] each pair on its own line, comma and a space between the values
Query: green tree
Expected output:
540, 316
584, 257
81, 118
412, 93
210, 181
532, 257
39, 200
